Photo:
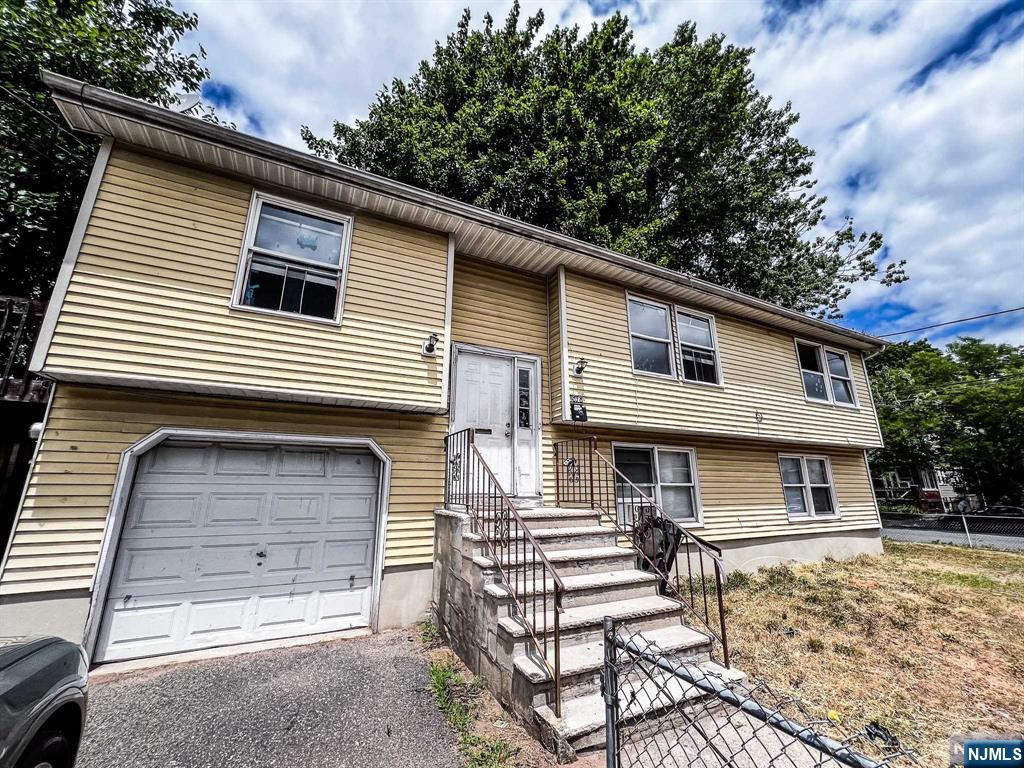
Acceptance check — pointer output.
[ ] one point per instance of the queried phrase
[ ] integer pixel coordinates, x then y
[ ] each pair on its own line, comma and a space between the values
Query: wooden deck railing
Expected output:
19, 327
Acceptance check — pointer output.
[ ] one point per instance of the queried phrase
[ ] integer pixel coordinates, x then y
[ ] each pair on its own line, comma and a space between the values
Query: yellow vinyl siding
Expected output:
151, 293
741, 486
759, 365
57, 540
554, 355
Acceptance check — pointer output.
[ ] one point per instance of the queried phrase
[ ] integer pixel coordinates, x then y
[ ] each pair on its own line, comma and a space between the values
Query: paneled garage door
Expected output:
231, 543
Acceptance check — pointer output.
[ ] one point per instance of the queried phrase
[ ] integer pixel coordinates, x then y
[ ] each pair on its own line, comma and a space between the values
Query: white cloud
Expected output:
943, 163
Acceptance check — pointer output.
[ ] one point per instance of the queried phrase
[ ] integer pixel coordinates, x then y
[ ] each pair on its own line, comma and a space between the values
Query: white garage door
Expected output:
226, 543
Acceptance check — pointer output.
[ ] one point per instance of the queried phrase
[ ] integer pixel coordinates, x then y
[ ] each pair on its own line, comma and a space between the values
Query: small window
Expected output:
813, 370
666, 475
807, 486
839, 377
524, 407
294, 261
650, 337
697, 347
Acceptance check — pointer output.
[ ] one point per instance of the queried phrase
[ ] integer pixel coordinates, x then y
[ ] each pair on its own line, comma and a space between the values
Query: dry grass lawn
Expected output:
928, 640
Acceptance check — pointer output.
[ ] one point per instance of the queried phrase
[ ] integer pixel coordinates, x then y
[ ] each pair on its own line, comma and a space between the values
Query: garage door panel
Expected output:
164, 510
238, 461
296, 462
234, 510
352, 507
162, 567
296, 508
177, 459
228, 544
150, 626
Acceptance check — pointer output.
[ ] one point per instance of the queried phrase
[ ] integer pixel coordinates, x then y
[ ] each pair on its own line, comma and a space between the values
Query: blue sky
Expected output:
915, 109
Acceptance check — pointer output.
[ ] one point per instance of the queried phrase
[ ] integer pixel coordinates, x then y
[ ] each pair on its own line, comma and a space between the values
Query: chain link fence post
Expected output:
609, 689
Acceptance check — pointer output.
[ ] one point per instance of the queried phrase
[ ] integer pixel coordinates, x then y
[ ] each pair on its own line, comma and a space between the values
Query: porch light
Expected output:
430, 345
581, 365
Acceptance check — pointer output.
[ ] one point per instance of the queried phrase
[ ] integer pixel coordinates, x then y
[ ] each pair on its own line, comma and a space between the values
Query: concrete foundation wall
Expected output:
56, 613
405, 595
751, 554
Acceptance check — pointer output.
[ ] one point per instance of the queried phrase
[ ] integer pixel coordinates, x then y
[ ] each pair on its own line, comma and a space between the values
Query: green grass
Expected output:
458, 699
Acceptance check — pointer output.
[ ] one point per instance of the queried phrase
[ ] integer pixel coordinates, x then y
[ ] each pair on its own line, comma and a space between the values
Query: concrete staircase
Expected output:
601, 579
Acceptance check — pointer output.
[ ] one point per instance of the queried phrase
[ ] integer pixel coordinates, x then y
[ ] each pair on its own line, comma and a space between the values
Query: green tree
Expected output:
962, 408
669, 155
126, 46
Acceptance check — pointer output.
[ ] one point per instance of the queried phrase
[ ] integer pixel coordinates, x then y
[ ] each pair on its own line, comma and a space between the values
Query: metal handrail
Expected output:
594, 496
470, 482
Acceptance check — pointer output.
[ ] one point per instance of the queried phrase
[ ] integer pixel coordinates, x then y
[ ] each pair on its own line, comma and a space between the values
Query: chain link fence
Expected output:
664, 713
993, 531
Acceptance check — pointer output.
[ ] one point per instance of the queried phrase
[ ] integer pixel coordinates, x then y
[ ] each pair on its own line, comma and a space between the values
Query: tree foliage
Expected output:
125, 46
669, 155
959, 409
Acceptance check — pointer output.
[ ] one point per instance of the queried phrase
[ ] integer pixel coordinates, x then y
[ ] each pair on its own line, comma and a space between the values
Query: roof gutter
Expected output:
89, 96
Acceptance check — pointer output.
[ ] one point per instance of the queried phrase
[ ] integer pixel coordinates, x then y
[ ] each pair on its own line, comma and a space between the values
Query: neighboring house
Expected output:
932, 490
258, 355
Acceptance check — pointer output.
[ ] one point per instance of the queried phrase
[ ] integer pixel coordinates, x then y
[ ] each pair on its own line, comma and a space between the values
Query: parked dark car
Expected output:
42, 702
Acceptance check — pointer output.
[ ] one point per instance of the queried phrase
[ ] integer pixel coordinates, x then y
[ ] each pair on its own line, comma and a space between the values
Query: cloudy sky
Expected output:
915, 110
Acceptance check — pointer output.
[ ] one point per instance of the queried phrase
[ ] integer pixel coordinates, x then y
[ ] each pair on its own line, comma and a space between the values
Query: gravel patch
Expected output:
358, 703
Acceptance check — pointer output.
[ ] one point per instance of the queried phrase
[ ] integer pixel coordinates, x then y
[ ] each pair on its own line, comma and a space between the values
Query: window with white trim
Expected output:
294, 261
807, 486
812, 369
650, 334
697, 348
666, 475
840, 380
826, 374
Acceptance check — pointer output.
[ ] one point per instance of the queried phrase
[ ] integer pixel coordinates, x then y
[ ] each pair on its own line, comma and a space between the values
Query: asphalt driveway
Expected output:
359, 703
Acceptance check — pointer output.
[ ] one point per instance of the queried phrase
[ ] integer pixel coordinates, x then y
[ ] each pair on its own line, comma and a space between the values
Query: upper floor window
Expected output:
650, 337
697, 349
294, 261
807, 486
826, 374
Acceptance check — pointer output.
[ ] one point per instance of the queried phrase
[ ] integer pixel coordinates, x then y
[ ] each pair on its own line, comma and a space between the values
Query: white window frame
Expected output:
698, 507
823, 351
671, 340
248, 250
678, 309
806, 486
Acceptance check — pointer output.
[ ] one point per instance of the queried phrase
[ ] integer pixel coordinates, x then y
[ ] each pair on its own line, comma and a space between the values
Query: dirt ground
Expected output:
927, 640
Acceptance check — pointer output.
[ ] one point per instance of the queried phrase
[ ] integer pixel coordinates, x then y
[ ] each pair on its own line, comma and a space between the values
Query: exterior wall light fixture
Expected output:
581, 365
430, 345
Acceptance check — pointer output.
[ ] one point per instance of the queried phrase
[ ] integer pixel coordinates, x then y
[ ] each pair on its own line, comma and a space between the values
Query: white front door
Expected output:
483, 399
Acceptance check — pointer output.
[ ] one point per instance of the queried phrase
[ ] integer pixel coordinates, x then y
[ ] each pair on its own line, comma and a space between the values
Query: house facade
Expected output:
257, 356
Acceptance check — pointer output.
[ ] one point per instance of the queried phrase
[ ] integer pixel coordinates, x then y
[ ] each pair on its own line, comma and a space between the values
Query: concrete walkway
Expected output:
360, 703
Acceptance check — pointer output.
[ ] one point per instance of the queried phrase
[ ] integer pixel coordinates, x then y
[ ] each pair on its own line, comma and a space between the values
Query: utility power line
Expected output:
951, 322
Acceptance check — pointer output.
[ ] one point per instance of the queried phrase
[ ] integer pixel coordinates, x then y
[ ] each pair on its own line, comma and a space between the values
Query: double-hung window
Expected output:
807, 486
668, 476
294, 261
650, 334
826, 374
696, 334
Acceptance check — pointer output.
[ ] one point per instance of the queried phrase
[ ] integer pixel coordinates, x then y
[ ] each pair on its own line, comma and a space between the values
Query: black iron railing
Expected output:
530, 578
690, 568
19, 326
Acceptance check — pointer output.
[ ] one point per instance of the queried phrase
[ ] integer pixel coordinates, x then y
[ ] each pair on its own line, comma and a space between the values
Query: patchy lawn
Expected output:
927, 639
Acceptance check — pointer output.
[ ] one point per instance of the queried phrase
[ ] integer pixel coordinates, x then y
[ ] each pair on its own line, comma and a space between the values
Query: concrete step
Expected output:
583, 589
574, 537
582, 664
582, 722
554, 517
572, 562
583, 623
